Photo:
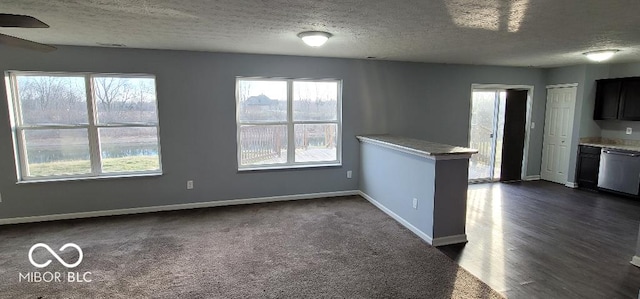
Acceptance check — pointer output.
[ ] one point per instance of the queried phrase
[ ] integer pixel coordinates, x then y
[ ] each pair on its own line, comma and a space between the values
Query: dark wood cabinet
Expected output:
617, 99
630, 99
588, 167
607, 99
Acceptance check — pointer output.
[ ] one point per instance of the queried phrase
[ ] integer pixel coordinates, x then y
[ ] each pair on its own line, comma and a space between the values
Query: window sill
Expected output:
288, 167
88, 178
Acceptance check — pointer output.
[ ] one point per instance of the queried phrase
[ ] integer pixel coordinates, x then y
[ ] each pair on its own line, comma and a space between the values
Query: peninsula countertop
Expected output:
620, 144
418, 147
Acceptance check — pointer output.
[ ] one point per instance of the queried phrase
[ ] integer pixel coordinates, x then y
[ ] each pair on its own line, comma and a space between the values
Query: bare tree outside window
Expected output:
58, 136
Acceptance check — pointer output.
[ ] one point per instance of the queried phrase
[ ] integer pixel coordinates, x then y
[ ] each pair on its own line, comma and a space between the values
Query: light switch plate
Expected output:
629, 131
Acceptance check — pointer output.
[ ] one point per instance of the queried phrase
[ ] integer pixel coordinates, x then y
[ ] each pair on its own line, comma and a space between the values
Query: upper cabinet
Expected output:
630, 100
617, 99
607, 99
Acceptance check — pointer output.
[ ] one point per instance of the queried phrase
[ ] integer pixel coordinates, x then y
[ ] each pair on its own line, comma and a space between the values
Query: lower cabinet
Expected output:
587, 167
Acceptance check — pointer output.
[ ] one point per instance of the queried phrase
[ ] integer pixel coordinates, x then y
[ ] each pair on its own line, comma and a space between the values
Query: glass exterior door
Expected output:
487, 128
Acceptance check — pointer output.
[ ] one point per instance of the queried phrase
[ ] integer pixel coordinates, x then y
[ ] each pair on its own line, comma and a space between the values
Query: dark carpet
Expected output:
326, 248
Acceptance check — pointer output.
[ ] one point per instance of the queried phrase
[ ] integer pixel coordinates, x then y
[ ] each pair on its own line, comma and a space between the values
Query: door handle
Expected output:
621, 153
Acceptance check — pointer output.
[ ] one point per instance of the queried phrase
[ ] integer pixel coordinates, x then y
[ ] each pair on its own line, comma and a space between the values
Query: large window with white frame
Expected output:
287, 123
83, 125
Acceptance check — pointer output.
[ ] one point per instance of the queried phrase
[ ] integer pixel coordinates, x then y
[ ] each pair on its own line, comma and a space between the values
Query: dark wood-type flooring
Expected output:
544, 240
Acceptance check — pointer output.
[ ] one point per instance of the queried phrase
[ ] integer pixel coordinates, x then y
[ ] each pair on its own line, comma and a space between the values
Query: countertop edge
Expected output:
612, 146
417, 152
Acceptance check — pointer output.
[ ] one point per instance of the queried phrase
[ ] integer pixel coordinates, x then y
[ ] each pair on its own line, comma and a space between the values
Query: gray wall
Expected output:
197, 122
394, 179
439, 108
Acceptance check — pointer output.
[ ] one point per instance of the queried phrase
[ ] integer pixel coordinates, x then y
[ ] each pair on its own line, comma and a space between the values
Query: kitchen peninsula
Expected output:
421, 184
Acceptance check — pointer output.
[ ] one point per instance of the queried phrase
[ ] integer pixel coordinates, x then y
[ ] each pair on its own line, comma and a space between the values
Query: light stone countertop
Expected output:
419, 147
621, 144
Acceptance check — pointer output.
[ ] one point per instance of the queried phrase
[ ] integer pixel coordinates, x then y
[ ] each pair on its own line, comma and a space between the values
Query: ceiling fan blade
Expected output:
23, 43
22, 21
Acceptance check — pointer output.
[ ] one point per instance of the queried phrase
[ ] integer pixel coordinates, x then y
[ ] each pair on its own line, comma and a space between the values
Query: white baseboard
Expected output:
636, 261
531, 178
571, 185
424, 236
186, 206
448, 240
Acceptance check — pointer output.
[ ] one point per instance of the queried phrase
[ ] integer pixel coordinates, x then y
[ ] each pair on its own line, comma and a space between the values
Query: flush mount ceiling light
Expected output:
314, 38
601, 55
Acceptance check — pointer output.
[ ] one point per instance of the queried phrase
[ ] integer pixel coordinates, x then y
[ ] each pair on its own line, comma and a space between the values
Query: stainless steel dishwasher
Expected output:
619, 171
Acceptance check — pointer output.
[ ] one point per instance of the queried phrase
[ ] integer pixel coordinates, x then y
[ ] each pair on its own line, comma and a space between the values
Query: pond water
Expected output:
70, 153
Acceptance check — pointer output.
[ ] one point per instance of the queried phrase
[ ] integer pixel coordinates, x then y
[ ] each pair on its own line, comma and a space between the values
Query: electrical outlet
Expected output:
189, 185
629, 131
533, 125
415, 203
349, 174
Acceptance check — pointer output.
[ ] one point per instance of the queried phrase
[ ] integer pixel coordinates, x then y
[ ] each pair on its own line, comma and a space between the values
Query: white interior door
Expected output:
558, 130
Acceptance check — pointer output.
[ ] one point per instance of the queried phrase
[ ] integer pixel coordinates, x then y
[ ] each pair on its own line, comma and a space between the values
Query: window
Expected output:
284, 123
68, 125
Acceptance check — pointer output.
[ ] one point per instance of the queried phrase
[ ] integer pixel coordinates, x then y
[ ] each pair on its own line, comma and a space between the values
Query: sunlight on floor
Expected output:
489, 205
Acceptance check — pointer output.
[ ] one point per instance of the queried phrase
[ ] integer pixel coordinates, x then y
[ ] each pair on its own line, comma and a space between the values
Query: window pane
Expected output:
125, 99
129, 149
316, 143
57, 152
315, 100
52, 99
262, 100
261, 145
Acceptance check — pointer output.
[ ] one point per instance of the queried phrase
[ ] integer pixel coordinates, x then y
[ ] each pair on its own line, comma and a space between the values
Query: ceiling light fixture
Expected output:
314, 38
601, 55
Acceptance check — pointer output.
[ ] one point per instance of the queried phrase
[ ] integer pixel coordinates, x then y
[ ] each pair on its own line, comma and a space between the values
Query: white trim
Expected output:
528, 118
448, 240
293, 166
93, 137
195, 205
290, 124
422, 235
95, 152
531, 178
571, 185
115, 175
527, 133
568, 85
636, 261
499, 86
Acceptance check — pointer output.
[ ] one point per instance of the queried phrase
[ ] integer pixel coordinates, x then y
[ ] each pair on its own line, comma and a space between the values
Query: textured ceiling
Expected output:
492, 32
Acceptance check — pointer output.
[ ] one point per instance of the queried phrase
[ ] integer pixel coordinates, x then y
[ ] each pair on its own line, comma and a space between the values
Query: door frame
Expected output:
527, 129
573, 120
